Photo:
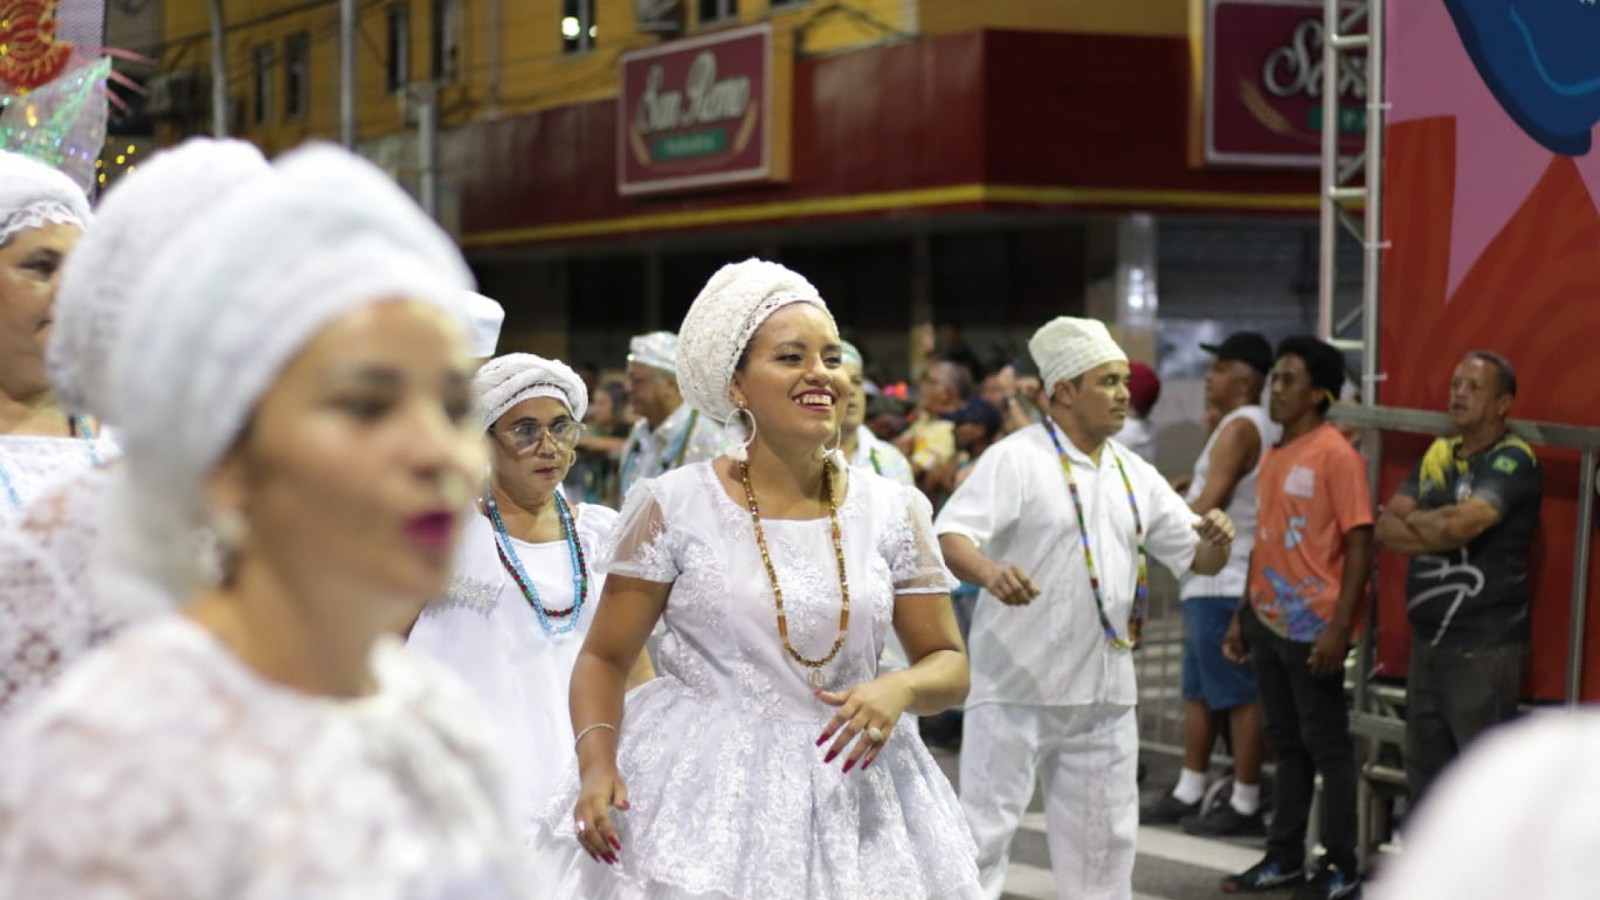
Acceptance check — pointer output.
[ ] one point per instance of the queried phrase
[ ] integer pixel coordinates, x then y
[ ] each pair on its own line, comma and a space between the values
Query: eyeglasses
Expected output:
526, 437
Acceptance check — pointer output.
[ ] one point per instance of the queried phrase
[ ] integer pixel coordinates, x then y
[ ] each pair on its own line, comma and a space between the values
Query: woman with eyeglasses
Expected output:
525, 588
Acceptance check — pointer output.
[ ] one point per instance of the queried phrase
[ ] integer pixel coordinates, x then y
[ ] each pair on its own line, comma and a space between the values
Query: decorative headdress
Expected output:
33, 195
1066, 347
504, 382
135, 221
721, 322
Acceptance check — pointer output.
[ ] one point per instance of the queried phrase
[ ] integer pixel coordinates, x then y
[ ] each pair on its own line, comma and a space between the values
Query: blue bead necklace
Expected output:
555, 622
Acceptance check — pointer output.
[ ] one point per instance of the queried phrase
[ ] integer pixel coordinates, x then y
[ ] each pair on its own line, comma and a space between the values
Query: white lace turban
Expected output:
33, 195
134, 222
504, 382
721, 322
235, 295
658, 350
850, 354
484, 318
1067, 347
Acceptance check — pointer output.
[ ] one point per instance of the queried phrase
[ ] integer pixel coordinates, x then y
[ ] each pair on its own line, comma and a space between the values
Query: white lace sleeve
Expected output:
640, 543
42, 625
912, 549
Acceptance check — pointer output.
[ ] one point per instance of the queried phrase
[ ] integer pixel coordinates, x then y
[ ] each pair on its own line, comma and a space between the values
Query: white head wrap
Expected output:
850, 354
484, 318
1067, 347
723, 319
504, 382
134, 222
221, 311
658, 350
33, 195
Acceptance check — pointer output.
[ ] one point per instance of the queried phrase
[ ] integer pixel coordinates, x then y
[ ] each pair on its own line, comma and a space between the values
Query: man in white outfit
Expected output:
669, 432
1055, 522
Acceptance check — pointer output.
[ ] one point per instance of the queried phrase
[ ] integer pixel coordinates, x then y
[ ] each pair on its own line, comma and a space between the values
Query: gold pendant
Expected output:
816, 678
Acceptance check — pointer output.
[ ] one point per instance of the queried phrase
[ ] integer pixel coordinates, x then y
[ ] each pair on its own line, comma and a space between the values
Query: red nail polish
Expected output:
829, 757
616, 843
865, 765
849, 764
822, 740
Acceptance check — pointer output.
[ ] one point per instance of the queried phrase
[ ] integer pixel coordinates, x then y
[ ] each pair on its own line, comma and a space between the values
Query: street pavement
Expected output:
1171, 865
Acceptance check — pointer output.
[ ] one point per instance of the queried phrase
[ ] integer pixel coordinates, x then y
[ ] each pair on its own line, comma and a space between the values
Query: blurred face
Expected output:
855, 408
1099, 405
30, 269
601, 410
1475, 398
935, 393
650, 391
531, 447
1229, 383
970, 435
1292, 395
1000, 387
357, 466
793, 380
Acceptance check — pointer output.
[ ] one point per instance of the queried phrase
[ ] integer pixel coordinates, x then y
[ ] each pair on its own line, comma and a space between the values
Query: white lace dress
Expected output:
30, 465
730, 797
487, 633
50, 612
161, 767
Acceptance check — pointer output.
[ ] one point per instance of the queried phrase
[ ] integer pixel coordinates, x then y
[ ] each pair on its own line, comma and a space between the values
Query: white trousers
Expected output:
1086, 758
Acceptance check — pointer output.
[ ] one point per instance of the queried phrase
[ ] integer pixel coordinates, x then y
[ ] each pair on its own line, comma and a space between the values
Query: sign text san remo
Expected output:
704, 100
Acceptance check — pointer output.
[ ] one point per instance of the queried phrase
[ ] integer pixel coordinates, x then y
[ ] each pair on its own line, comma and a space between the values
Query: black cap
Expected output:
1248, 347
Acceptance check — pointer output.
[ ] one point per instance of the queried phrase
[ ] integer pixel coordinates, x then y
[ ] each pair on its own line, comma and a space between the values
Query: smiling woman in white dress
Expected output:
525, 586
303, 392
765, 762
42, 216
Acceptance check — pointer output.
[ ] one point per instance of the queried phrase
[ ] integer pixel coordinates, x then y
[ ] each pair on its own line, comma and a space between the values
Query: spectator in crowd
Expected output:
930, 441
1466, 517
1308, 578
999, 389
596, 476
1144, 389
1225, 477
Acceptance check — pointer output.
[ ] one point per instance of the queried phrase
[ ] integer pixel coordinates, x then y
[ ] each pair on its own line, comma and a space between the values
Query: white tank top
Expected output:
1230, 582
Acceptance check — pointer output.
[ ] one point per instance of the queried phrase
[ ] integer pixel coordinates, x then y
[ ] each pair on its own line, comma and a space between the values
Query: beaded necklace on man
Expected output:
567, 619
1141, 593
815, 665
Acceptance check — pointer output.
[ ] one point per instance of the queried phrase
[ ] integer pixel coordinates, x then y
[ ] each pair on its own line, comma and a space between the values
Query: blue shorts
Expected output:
1208, 676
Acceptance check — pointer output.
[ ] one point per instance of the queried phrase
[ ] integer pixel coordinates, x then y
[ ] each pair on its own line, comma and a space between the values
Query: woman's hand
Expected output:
602, 791
868, 711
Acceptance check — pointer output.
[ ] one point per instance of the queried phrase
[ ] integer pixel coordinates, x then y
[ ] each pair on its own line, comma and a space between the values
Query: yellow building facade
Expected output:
494, 58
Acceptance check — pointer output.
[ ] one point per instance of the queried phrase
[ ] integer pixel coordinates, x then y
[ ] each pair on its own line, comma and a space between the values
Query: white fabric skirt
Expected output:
727, 803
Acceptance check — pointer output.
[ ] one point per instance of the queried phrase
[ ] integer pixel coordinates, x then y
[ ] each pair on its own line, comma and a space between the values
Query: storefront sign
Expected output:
1260, 101
707, 111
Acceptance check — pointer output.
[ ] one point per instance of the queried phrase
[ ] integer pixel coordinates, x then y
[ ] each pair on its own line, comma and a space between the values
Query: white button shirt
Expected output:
648, 454
1015, 506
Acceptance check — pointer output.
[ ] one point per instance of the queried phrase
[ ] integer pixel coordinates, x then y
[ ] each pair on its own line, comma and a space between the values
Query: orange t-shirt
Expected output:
1312, 492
